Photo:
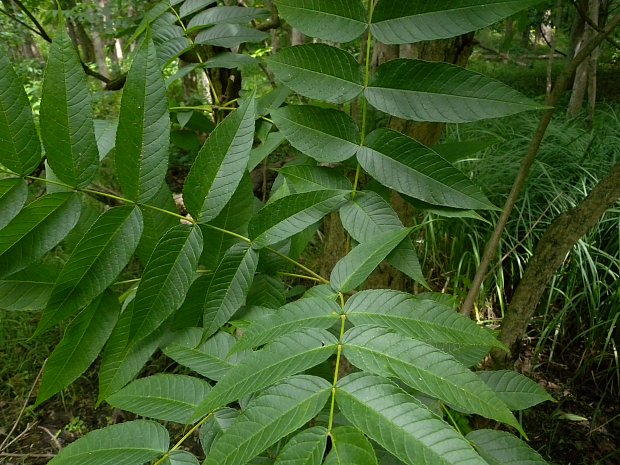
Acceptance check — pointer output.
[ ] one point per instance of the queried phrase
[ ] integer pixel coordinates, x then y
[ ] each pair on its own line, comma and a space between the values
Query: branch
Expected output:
34, 20
528, 160
594, 26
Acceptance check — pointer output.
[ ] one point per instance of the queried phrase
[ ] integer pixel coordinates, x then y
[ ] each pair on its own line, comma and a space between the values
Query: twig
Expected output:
38, 456
594, 26
34, 20
52, 437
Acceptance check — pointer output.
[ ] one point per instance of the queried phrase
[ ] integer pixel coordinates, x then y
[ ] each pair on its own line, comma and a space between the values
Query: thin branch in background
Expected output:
19, 21
594, 26
34, 20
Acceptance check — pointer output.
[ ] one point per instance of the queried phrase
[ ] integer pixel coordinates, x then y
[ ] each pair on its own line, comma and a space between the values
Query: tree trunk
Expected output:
549, 255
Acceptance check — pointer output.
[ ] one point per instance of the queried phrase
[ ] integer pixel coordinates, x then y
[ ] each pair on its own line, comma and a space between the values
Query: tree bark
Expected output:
549, 255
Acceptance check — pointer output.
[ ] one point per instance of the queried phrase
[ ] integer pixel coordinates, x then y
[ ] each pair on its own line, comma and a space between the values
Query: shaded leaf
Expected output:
130, 443
220, 164
181, 457
264, 149
318, 71
417, 20
267, 291
517, 391
403, 164
325, 134
349, 446
334, 20
20, 148
105, 135
80, 346
303, 178
66, 119
13, 196
229, 35
276, 412
226, 14
192, 6
36, 230
400, 424
215, 426
95, 263
425, 368
283, 357
305, 448
353, 269
162, 396
143, 134
292, 214
431, 91
28, 289
502, 448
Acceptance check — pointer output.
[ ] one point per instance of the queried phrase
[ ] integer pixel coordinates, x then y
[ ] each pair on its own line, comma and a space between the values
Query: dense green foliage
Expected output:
210, 294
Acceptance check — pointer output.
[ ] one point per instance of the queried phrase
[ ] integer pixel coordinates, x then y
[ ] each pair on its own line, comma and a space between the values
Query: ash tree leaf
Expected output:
397, 421
211, 358
28, 289
292, 214
80, 346
325, 134
275, 413
143, 133
36, 230
267, 291
422, 319
353, 269
334, 20
403, 164
220, 164
95, 263
66, 119
425, 368
283, 357
431, 91
163, 396
20, 148
417, 20
130, 443
181, 457
226, 14
166, 279
517, 391
105, 135
229, 286
368, 214
13, 196
318, 71
349, 445
303, 178
169, 38
193, 6
215, 426
305, 448
229, 35
502, 448
305, 313
264, 149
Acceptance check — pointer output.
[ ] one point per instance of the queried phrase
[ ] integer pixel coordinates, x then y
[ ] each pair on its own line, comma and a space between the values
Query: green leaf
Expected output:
350, 446
422, 319
292, 214
130, 443
20, 148
230, 60
431, 91
229, 35
325, 134
333, 20
318, 71
502, 448
305, 448
181, 457
283, 357
215, 426
80, 346
150, 16
166, 279
264, 149
367, 215
353, 269
417, 20
220, 164
155, 222
267, 291
36, 230
143, 134
229, 286
169, 38
123, 360
403, 164
13, 196
66, 119
226, 14
28, 289
209, 358
95, 263
400, 424
305, 313
165, 397
192, 6
425, 368
105, 135
517, 391
303, 178
278, 411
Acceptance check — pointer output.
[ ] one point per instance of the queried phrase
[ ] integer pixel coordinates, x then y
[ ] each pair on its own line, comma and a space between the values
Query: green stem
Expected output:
300, 276
182, 440
318, 277
343, 319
